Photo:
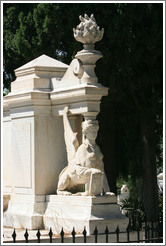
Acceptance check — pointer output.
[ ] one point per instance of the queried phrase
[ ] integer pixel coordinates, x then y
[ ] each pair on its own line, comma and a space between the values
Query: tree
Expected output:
130, 120
137, 91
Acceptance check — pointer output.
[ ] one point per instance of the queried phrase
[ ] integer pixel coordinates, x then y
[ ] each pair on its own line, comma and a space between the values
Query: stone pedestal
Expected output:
25, 211
80, 212
89, 56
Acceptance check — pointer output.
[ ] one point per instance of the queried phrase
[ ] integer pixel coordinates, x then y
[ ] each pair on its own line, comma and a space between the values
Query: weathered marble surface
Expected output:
35, 141
84, 211
85, 170
25, 211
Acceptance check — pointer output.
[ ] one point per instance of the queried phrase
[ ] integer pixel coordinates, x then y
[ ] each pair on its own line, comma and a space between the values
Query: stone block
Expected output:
25, 211
80, 212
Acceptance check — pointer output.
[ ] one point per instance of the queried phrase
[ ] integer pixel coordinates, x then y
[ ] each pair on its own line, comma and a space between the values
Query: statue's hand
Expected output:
95, 171
66, 110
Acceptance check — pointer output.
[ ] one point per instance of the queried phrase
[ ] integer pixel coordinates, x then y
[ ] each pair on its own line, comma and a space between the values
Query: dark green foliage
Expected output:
130, 120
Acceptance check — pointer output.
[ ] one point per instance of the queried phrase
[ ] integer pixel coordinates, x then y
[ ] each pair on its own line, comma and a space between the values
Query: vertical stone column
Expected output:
89, 56
88, 33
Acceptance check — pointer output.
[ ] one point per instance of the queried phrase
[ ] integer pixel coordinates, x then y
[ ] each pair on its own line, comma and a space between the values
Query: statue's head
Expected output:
124, 189
90, 128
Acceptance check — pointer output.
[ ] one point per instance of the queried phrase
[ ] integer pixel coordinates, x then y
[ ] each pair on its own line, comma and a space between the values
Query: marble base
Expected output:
80, 212
25, 211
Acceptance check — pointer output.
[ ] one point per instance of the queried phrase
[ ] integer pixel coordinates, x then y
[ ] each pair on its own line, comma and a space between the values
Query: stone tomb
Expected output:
43, 155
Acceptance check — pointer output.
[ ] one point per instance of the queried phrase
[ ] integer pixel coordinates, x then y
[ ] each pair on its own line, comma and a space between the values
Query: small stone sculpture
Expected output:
88, 32
160, 182
124, 194
85, 170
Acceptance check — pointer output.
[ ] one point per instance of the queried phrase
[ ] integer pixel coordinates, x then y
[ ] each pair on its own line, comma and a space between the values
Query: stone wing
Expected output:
71, 141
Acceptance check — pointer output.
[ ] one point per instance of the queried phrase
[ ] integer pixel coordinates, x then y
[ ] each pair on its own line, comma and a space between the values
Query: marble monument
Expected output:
53, 169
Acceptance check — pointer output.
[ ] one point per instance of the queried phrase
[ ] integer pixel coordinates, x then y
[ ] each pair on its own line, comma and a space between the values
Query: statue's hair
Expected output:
88, 124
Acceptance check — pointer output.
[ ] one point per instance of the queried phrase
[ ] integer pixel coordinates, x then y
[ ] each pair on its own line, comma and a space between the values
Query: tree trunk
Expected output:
149, 166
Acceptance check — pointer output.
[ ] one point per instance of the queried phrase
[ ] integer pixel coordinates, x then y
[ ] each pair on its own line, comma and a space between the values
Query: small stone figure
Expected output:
160, 182
124, 194
85, 171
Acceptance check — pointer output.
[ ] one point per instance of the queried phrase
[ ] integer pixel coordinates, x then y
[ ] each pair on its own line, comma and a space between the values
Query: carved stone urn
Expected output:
88, 33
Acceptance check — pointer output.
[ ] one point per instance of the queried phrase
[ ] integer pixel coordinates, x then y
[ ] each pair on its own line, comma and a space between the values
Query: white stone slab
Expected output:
89, 200
23, 221
21, 154
50, 153
25, 211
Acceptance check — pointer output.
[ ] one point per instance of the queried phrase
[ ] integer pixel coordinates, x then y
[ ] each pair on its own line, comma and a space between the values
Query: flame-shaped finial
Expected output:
88, 32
